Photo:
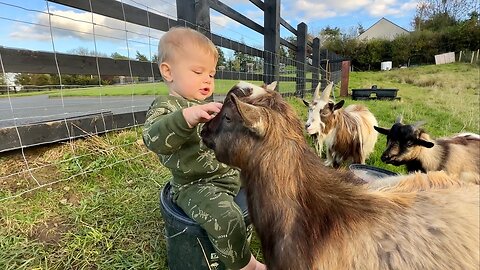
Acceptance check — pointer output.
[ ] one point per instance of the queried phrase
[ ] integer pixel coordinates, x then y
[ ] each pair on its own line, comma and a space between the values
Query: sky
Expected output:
26, 24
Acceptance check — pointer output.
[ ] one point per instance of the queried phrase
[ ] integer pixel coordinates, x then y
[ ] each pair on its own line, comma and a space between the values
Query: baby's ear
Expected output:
166, 71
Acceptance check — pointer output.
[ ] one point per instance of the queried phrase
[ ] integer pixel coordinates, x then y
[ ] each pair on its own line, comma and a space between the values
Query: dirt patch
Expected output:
38, 165
49, 232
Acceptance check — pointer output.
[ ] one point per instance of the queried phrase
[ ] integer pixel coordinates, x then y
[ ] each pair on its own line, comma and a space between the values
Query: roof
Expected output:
383, 29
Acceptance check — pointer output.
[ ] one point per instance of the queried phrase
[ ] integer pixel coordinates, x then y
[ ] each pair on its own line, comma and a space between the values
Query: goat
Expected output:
309, 216
410, 145
348, 133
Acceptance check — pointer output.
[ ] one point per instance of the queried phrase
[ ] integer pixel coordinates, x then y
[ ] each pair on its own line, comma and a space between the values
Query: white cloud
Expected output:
220, 20
78, 24
381, 8
314, 10
309, 10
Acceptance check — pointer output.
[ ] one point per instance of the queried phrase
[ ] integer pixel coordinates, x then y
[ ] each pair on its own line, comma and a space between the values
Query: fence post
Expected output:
271, 41
202, 16
345, 76
315, 63
301, 58
323, 68
186, 14
202, 22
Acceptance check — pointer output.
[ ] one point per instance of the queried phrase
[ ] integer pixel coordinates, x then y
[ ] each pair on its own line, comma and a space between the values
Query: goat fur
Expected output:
309, 216
410, 145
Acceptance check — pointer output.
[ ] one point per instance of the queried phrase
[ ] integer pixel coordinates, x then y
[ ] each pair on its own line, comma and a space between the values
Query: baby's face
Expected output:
193, 71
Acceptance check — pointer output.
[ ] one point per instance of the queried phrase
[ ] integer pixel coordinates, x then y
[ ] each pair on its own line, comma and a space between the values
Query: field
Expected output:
104, 212
222, 87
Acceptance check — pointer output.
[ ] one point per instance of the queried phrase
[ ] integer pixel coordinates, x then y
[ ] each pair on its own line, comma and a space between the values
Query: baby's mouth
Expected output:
204, 91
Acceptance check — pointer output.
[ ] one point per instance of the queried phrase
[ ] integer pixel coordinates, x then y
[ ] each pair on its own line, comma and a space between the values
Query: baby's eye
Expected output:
197, 72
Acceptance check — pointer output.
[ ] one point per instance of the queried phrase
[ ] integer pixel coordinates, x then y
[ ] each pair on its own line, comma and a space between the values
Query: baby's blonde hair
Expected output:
172, 41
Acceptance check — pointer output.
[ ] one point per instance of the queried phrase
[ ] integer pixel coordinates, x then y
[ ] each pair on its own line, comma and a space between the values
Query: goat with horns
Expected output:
348, 133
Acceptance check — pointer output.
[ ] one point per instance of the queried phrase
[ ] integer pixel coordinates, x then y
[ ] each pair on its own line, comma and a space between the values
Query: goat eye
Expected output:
227, 118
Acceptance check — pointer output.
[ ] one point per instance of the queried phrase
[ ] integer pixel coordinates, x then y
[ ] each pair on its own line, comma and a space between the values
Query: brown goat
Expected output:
309, 216
410, 145
417, 182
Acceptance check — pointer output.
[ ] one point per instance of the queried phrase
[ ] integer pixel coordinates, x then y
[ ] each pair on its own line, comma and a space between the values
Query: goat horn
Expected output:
317, 91
399, 119
419, 124
326, 92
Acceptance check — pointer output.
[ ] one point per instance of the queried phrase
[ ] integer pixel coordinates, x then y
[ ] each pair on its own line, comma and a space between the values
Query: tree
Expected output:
155, 58
330, 33
221, 58
360, 29
442, 11
32, 79
86, 52
291, 54
118, 56
141, 57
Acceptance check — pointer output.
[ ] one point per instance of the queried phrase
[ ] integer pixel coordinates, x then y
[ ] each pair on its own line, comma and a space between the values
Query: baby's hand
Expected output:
201, 113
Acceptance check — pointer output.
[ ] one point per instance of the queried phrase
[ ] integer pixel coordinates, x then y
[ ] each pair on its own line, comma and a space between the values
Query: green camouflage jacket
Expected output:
179, 147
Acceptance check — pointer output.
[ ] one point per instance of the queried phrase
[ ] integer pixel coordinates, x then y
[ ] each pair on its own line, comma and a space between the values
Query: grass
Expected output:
105, 215
222, 87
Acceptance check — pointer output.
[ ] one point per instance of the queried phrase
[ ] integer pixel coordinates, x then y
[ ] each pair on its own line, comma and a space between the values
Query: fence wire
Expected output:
59, 28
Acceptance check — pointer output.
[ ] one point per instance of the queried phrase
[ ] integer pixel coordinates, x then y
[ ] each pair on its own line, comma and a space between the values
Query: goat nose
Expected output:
385, 157
307, 125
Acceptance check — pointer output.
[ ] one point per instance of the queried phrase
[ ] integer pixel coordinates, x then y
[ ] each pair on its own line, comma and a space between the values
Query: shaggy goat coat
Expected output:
410, 145
347, 133
309, 216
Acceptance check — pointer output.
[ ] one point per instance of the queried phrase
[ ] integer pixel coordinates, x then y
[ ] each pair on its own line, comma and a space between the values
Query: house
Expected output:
383, 29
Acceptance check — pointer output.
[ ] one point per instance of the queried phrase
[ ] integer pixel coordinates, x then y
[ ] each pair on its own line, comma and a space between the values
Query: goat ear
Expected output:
306, 103
339, 105
424, 143
381, 130
272, 86
251, 116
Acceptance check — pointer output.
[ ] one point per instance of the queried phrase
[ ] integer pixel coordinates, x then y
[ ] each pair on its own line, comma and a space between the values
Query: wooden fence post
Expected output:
301, 58
323, 68
186, 14
271, 41
202, 22
202, 16
345, 76
315, 63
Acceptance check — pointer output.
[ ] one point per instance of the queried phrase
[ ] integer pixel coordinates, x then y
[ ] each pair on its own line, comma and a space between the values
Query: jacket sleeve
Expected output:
165, 131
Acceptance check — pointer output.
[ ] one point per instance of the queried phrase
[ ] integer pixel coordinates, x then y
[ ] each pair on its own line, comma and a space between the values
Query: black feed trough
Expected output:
370, 173
384, 93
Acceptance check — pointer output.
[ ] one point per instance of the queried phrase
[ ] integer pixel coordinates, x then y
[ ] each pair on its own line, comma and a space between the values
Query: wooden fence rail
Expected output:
324, 66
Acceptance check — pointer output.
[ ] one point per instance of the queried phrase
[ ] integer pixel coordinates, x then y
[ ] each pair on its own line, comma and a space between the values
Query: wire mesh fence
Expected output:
72, 69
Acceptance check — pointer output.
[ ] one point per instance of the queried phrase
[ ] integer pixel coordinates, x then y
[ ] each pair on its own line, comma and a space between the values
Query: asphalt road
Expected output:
18, 111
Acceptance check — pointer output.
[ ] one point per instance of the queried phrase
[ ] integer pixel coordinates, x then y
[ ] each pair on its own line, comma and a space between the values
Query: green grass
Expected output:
222, 87
109, 218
